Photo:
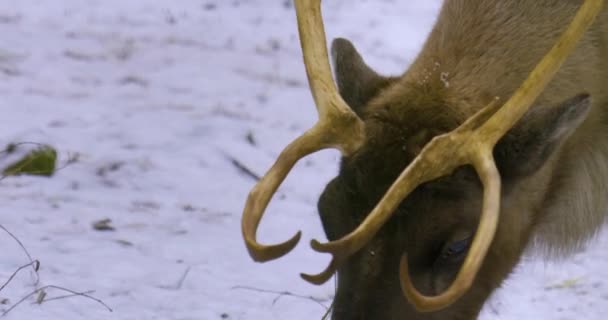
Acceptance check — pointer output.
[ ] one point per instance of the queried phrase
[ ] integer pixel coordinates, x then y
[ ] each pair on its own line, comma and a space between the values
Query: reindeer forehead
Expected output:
398, 126
414, 108
407, 123
392, 142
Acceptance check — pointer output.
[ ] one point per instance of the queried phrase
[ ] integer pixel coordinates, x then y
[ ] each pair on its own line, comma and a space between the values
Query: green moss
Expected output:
38, 162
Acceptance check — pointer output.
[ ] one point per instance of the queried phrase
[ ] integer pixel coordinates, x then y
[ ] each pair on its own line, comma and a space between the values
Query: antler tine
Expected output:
313, 41
470, 143
490, 178
338, 127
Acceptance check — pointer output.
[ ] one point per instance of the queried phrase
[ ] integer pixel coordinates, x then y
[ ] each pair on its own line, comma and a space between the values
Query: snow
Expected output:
158, 99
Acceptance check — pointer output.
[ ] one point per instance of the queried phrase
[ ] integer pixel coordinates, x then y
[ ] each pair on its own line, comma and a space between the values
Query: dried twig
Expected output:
34, 263
244, 169
43, 290
331, 307
66, 296
182, 279
328, 312
72, 158
281, 294
180, 282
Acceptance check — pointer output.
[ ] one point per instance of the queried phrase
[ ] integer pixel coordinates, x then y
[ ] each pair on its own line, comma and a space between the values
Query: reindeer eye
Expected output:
454, 252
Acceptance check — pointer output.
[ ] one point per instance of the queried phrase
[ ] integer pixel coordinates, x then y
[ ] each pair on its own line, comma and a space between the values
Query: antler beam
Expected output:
338, 127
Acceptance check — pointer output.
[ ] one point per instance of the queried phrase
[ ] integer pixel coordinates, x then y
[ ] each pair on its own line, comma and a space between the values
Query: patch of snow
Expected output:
161, 99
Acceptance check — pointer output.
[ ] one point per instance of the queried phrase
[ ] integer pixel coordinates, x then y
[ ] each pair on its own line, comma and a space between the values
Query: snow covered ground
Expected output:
160, 99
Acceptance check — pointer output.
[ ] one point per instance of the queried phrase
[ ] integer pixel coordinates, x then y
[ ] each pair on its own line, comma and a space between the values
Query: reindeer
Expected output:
493, 141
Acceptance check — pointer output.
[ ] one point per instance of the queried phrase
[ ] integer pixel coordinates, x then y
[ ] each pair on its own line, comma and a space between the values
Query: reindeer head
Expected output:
436, 222
415, 208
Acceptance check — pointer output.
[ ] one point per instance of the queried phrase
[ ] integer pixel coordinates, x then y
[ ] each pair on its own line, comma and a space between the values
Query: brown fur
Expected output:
554, 163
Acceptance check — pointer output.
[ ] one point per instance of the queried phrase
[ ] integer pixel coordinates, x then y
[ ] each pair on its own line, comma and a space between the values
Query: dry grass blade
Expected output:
66, 296
34, 263
43, 289
281, 294
40, 293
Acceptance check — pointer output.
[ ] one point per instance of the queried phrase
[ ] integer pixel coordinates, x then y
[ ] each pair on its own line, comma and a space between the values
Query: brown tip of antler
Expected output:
488, 223
322, 277
263, 253
424, 303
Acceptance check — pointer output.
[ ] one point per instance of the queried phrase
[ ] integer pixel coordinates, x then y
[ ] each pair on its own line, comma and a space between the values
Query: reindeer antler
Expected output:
471, 143
338, 127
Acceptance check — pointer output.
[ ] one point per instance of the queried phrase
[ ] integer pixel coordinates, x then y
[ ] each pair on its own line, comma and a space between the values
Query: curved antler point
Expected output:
317, 245
264, 253
322, 277
317, 279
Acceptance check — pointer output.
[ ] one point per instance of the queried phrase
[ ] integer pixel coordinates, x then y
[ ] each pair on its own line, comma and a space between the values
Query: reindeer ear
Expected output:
526, 147
357, 82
